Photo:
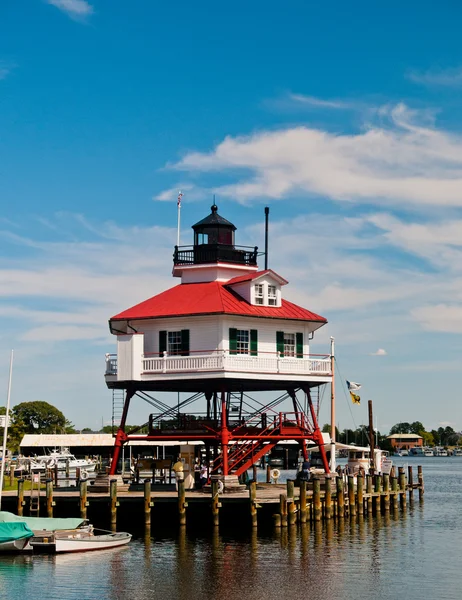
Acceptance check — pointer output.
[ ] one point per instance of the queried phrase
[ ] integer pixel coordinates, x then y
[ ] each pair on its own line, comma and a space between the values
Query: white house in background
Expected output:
226, 321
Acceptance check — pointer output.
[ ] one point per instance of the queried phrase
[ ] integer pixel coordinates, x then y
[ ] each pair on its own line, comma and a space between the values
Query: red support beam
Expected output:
121, 436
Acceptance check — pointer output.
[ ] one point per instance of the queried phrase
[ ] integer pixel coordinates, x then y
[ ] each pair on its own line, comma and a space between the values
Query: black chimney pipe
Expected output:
266, 236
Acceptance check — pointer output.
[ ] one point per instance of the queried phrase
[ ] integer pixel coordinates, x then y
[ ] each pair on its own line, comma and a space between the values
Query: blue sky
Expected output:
344, 118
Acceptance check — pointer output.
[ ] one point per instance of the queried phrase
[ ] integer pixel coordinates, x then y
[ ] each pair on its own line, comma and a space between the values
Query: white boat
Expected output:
457, 452
62, 535
78, 541
404, 452
14, 537
441, 452
359, 458
428, 452
64, 460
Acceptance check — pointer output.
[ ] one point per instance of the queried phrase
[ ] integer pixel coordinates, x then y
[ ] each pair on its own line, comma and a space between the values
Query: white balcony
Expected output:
219, 361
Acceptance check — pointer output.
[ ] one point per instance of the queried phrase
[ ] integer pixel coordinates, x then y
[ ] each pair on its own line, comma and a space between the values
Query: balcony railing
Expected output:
211, 253
223, 361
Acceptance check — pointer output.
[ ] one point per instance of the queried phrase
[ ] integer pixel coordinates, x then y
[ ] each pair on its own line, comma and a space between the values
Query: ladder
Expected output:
35, 494
118, 399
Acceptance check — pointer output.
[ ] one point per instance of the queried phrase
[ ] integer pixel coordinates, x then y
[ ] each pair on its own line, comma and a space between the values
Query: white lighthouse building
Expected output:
224, 331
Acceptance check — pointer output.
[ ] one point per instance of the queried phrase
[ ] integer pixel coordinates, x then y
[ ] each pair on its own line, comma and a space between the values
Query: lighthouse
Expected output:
221, 336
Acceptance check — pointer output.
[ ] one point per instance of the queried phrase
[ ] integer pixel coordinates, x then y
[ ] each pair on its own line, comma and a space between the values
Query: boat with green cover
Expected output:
14, 537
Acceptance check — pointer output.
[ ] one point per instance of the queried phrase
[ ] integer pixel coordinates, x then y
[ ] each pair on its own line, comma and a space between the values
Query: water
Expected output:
412, 555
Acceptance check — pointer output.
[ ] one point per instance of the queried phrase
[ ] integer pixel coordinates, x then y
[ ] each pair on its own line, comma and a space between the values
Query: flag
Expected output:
180, 195
355, 398
353, 387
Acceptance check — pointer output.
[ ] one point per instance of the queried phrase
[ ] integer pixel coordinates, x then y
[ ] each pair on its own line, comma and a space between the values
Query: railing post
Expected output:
278, 361
164, 363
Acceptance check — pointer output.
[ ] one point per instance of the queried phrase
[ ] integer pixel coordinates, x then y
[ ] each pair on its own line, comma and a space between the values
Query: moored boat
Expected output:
14, 537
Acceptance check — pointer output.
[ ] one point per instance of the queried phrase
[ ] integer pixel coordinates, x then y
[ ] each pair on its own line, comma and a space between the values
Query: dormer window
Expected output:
272, 296
259, 294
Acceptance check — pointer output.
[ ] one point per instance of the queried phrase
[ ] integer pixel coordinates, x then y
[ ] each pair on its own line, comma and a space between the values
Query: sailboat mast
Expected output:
5, 429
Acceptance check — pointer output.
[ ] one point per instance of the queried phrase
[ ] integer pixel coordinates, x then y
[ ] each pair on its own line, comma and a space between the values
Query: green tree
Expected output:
39, 417
416, 428
400, 428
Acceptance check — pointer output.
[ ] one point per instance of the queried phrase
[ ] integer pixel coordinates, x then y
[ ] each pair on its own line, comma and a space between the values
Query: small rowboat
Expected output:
14, 537
77, 541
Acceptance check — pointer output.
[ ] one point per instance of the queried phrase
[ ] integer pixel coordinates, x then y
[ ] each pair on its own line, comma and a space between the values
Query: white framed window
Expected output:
272, 295
259, 295
289, 344
174, 342
242, 341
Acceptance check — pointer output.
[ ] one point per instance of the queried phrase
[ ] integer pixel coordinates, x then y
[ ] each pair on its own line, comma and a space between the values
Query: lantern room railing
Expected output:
211, 253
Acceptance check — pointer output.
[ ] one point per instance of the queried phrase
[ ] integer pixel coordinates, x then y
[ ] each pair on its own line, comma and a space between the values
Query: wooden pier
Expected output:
322, 499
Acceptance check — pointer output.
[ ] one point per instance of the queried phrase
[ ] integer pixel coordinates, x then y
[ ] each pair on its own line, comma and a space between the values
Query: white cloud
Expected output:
450, 77
379, 352
73, 8
402, 161
321, 103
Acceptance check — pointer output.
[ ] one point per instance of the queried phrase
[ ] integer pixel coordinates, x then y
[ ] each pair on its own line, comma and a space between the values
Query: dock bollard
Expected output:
147, 503
369, 493
317, 507
253, 503
302, 501
340, 498
20, 497
421, 482
83, 502
351, 496
328, 497
49, 495
113, 501
182, 502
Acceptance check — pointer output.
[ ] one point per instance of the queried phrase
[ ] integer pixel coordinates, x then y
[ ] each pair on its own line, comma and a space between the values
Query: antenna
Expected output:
266, 236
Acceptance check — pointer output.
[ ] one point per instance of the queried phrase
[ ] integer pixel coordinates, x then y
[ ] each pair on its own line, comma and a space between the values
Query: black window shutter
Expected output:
232, 340
299, 349
253, 342
280, 342
162, 342
185, 342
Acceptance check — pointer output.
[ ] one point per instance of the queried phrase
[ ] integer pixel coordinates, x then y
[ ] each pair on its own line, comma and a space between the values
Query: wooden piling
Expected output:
360, 493
253, 503
369, 493
402, 486
56, 475
351, 496
303, 511
11, 475
268, 473
83, 499
254, 472
49, 495
394, 489
376, 499
421, 482
77, 474
317, 507
113, 501
291, 508
410, 481
20, 497
215, 503
328, 497
277, 521
283, 509
182, 502
386, 490
340, 498
67, 469
147, 504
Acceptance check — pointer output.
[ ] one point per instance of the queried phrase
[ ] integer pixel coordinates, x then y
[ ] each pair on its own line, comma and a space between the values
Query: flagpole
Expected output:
332, 406
180, 195
5, 429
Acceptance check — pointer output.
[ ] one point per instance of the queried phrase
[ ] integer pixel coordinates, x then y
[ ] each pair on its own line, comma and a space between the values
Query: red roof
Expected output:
210, 298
